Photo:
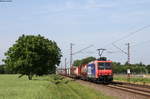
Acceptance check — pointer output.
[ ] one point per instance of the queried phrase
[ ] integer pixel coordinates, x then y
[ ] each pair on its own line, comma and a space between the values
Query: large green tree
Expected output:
33, 55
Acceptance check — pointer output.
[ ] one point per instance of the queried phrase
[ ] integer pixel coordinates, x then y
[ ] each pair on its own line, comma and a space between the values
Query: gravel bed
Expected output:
111, 91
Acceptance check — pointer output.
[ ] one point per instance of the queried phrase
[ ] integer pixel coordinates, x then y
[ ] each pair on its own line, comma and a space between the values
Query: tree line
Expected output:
138, 68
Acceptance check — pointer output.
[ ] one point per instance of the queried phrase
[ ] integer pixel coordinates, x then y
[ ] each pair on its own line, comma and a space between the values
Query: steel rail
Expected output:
132, 90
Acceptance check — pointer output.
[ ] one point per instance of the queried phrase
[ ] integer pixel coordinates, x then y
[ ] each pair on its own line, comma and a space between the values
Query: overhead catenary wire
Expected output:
141, 43
128, 35
138, 44
82, 49
132, 33
122, 38
120, 49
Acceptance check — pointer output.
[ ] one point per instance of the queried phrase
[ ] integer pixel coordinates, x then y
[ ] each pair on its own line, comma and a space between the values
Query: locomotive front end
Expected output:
104, 71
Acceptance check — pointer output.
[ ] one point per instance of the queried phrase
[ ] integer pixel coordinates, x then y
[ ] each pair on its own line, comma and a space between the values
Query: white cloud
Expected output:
75, 5
95, 4
100, 6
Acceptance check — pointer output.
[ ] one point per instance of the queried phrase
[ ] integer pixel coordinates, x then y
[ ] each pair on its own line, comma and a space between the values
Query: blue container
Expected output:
91, 70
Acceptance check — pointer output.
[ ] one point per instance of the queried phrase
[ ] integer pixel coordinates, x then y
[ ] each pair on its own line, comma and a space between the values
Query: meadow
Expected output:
133, 79
46, 87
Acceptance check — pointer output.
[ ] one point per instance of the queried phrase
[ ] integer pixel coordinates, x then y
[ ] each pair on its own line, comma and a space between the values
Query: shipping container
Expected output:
91, 70
83, 73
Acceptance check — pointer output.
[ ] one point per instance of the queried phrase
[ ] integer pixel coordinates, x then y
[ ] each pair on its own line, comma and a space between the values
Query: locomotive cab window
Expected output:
108, 65
102, 66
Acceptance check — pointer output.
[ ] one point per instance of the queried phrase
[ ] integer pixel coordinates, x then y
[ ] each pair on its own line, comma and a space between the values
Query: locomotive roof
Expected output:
99, 61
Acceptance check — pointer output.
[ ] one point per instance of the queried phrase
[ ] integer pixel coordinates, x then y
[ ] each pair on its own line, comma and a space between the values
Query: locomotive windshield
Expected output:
104, 66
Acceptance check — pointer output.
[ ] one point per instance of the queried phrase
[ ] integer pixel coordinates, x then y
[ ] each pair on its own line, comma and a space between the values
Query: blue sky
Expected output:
82, 22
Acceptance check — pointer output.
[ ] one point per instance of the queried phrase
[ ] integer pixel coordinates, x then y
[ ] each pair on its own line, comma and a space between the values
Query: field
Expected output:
47, 87
133, 79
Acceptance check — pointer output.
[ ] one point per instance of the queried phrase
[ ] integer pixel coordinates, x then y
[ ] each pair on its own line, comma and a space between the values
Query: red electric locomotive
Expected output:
99, 70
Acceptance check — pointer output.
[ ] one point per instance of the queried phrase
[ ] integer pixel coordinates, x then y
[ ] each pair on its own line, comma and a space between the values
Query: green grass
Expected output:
132, 79
47, 87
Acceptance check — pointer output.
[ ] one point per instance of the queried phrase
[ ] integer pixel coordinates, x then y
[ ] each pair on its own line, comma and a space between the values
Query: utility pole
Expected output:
71, 44
65, 65
100, 51
128, 44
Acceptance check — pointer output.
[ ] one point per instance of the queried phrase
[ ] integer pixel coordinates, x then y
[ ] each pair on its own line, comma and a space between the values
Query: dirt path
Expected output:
112, 92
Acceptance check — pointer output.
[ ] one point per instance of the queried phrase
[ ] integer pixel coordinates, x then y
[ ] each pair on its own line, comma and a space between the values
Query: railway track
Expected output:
132, 88
131, 84
142, 90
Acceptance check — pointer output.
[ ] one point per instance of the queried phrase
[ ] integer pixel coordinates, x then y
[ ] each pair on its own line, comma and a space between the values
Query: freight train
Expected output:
99, 70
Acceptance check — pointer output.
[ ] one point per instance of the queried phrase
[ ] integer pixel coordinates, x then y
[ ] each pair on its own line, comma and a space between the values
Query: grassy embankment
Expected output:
133, 79
48, 87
